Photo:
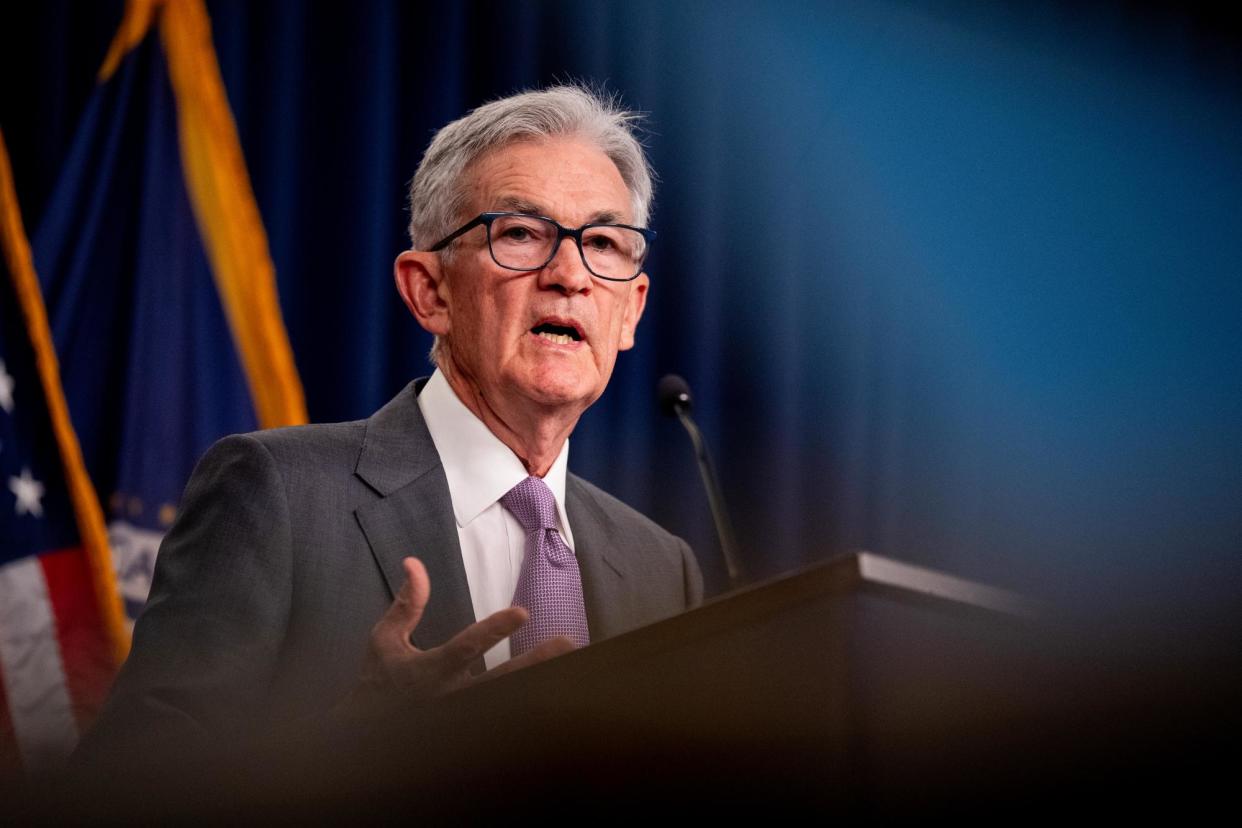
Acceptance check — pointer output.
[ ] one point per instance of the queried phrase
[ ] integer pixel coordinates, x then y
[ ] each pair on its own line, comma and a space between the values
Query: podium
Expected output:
860, 687
855, 682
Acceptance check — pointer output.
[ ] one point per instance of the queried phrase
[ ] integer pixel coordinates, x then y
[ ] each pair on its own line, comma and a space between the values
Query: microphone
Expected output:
673, 393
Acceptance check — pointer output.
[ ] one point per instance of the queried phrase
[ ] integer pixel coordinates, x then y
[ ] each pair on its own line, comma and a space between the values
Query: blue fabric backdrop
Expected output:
955, 282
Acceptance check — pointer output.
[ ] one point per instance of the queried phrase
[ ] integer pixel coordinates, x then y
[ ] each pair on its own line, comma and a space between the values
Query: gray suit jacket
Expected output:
288, 549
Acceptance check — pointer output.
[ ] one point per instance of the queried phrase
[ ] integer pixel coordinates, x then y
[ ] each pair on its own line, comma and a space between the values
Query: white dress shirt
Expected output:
480, 469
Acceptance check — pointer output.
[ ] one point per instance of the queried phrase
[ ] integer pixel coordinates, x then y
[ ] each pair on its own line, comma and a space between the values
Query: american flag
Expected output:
161, 308
57, 650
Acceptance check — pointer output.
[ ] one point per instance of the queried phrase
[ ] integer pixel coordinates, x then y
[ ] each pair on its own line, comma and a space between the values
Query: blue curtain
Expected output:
954, 282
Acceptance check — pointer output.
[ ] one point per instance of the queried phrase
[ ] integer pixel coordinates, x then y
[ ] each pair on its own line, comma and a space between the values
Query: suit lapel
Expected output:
413, 515
602, 567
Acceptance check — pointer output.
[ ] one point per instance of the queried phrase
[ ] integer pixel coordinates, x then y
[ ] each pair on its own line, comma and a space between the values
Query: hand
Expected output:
394, 666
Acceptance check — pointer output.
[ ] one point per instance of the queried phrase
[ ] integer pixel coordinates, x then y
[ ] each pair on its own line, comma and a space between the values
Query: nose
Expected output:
566, 271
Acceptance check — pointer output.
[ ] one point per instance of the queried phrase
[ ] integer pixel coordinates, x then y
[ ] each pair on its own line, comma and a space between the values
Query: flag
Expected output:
61, 629
151, 329
160, 288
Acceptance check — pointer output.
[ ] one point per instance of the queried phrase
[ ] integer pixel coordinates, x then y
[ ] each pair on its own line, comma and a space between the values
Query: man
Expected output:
322, 567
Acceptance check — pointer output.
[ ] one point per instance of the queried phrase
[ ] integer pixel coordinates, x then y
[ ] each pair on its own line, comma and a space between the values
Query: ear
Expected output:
420, 281
634, 304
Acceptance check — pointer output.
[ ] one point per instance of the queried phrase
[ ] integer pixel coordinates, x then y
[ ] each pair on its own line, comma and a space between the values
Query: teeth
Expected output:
559, 339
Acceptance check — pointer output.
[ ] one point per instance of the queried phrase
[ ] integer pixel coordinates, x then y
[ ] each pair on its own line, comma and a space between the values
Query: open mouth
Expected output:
557, 333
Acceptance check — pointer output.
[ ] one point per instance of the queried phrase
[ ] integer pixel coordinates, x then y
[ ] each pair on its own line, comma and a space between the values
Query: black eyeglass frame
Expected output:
562, 233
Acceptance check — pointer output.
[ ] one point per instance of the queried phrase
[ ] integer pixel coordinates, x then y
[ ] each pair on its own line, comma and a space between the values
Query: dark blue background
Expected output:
956, 282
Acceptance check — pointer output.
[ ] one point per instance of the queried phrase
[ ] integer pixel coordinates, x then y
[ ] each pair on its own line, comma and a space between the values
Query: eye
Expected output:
601, 240
519, 230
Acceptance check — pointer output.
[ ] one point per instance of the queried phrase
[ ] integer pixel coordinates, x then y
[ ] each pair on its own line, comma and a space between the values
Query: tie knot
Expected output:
532, 503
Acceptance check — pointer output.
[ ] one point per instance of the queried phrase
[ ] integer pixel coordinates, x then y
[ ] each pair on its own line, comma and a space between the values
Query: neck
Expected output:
535, 434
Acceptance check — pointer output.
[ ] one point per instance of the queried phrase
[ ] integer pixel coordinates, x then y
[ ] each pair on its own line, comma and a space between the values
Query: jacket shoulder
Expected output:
662, 563
624, 517
292, 444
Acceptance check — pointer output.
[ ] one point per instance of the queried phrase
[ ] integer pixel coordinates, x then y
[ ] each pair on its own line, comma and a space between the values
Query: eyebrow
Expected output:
516, 205
530, 208
604, 217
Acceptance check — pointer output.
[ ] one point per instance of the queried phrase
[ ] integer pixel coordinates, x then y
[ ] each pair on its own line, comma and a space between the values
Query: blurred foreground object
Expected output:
859, 686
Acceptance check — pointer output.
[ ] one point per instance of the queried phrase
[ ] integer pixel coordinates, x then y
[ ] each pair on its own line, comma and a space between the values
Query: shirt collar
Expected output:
479, 467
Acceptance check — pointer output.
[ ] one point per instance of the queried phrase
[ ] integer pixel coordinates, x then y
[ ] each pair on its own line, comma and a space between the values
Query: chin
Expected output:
561, 397
561, 390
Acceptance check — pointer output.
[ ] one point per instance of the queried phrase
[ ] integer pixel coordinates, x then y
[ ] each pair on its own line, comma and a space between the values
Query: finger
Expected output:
407, 608
480, 637
551, 648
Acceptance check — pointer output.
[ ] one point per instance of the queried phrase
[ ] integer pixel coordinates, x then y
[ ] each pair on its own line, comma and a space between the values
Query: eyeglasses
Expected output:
518, 241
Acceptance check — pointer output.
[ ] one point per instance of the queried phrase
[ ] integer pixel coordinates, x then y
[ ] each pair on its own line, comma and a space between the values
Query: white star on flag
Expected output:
6, 389
28, 491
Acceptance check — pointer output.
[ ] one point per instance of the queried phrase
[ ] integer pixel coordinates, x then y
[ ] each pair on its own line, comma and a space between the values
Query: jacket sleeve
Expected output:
206, 646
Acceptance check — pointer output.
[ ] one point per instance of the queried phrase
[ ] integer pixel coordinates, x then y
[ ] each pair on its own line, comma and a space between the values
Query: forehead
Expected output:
565, 178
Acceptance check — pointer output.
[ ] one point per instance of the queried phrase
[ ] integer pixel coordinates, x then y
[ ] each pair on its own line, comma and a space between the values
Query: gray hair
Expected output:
439, 191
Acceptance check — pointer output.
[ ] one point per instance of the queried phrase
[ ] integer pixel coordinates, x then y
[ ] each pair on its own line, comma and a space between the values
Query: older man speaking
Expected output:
324, 566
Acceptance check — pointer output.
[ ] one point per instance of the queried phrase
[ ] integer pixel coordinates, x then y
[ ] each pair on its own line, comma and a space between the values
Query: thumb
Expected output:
407, 608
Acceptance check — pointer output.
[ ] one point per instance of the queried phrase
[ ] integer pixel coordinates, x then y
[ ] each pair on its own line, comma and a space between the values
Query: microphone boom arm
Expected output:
715, 499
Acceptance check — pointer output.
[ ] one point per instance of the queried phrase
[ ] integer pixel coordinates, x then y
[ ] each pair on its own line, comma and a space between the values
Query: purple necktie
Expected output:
549, 586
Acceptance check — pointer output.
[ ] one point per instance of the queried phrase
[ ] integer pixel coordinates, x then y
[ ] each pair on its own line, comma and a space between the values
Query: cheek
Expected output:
621, 333
503, 308
478, 313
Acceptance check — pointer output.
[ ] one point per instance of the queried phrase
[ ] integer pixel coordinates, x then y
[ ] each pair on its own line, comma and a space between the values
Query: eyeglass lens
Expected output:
527, 242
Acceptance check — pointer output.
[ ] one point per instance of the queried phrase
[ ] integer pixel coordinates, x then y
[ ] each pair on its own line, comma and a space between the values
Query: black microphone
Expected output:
675, 401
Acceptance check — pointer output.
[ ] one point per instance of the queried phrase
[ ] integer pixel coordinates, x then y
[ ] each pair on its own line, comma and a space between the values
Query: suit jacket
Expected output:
287, 551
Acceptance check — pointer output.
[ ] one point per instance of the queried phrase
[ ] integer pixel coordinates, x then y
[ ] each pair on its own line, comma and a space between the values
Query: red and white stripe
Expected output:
54, 658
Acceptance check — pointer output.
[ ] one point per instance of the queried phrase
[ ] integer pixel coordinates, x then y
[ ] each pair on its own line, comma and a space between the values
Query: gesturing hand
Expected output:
394, 666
